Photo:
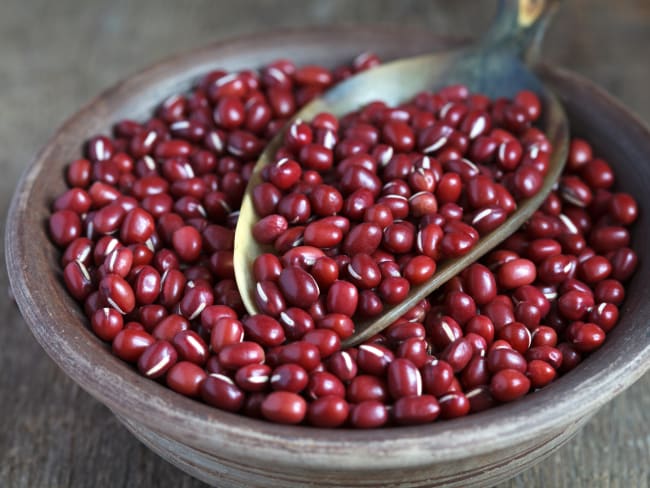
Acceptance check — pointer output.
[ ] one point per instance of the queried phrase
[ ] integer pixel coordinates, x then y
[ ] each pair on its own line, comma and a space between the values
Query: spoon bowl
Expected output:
494, 67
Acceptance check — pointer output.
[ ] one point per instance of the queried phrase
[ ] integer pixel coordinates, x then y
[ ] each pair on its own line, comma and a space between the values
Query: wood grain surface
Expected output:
54, 56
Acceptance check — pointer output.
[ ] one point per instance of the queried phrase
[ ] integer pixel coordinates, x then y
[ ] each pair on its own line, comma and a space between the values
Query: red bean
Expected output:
298, 287
415, 410
403, 379
168, 327
623, 208
117, 293
221, 392
362, 238
190, 347
368, 414
394, 290
65, 227
374, 358
505, 358
461, 306
187, 243
549, 354
516, 273
157, 359
540, 373
129, 344
586, 337
284, 407
289, 377
253, 377
107, 323
437, 377
342, 297
328, 411
264, 330
508, 385
307, 354
234, 356
185, 378
458, 354
365, 387
322, 383
77, 280
453, 405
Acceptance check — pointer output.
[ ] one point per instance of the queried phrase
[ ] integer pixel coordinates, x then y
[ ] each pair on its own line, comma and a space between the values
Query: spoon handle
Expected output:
519, 27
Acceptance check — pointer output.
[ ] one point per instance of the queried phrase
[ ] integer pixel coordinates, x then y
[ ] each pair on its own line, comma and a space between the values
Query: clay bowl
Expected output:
229, 450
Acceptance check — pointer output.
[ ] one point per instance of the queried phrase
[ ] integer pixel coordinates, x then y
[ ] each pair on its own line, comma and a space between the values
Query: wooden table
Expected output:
57, 55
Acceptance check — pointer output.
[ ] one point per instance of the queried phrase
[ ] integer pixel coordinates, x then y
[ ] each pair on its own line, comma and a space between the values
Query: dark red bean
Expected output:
365, 387
129, 344
362, 238
137, 226
399, 135
268, 229
458, 354
305, 353
586, 337
394, 290
253, 377
78, 280
403, 379
461, 306
322, 383
624, 262
342, 297
187, 243
157, 359
516, 273
517, 334
549, 354
186, 378
117, 293
328, 411
623, 208
540, 373
284, 407
453, 405
508, 385
368, 414
482, 326
191, 347
264, 330
106, 323
475, 373
374, 358
220, 391
168, 327
437, 377
298, 287
234, 356
505, 358
65, 227
415, 410
544, 336
289, 377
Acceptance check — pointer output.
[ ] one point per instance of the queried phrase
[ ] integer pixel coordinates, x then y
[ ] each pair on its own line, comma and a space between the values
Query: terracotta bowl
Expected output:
230, 450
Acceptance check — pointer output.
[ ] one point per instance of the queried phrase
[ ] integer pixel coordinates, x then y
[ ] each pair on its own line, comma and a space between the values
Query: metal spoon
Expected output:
496, 67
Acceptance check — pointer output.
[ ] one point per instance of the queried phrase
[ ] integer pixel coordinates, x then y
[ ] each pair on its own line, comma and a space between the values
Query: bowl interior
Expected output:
59, 324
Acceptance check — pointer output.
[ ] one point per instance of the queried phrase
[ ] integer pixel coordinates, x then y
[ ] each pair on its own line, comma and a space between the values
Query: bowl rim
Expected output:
225, 434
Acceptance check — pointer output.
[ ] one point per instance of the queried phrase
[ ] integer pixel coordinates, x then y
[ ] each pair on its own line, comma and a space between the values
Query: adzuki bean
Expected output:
355, 211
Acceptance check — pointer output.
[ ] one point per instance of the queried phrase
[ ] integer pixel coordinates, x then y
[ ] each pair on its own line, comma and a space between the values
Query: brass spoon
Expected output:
494, 67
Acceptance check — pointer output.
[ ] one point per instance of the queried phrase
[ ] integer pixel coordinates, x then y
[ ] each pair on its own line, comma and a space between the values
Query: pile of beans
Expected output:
147, 229
362, 209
